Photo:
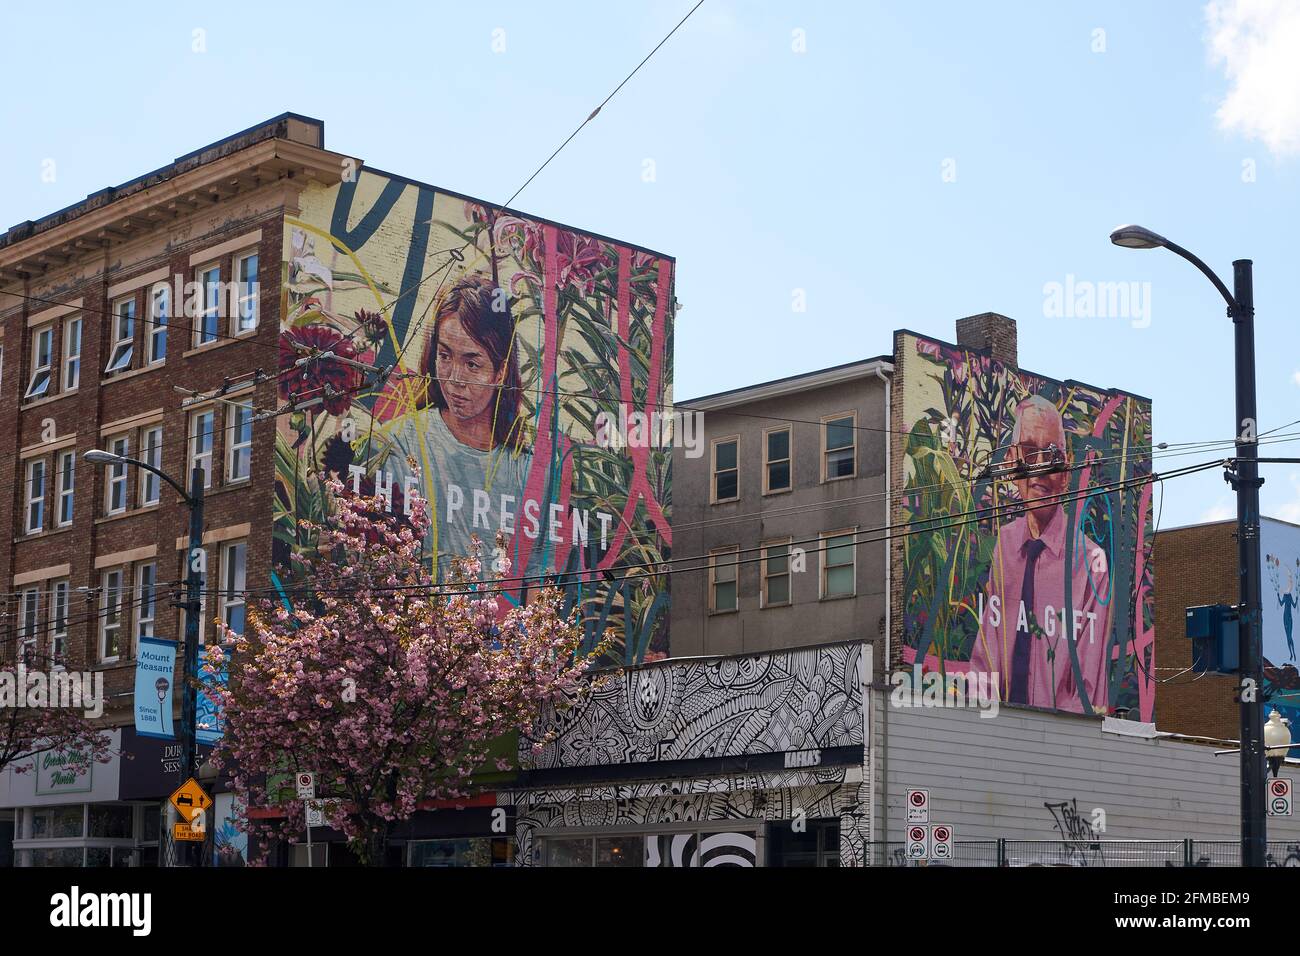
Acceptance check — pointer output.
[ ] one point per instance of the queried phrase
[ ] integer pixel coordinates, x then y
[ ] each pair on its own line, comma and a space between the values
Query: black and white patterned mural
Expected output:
794, 701
764, 703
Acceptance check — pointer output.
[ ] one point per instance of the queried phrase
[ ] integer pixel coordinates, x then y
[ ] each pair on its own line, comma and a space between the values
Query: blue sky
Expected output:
917, 162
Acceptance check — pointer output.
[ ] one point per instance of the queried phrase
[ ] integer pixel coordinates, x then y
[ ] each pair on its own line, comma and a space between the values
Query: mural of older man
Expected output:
1028, 623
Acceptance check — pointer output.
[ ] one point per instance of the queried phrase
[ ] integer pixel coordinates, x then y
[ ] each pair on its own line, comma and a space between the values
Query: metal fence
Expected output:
1080, 853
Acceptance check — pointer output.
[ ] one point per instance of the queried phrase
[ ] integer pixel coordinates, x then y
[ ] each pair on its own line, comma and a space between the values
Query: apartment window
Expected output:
115, 489
110, 615
67, 486
838, 557
239, 440
35, 496
776, 573
59, 620
123, 347
160, 310
146, 599
151, 454
207, 325
42, 361
201, 446
234, 559
776, 463
726, 469
71, 354
29, 623
246, 280
722, 579
839, 449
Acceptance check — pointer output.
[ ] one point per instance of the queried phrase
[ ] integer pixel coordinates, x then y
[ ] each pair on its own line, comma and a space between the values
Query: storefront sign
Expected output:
802, 758
62, 771
155, 673
151, 768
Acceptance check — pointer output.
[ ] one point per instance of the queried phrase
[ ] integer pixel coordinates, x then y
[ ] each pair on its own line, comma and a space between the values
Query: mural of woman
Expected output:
1286, 599
466, 434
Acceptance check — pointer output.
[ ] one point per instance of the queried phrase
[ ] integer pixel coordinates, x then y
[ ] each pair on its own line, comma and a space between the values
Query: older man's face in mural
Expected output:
1042, 444
465, 371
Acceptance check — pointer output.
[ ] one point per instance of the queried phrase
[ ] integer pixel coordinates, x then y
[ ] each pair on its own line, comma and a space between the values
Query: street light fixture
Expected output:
1245, 480
192, 604
1278, 740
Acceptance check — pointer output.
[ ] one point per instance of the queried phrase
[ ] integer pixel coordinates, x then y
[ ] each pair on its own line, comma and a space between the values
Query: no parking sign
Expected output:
1279, 797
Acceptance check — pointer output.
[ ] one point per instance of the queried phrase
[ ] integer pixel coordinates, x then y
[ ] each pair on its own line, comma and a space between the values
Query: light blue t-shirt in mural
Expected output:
470, 491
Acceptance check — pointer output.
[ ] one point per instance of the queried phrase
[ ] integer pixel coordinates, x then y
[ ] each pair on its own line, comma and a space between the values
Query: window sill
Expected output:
43, 534
827, 481
110, 378
38, 402
229, 338
724, 501
777, 491
130, 512
733, 610
836, 597
770, 607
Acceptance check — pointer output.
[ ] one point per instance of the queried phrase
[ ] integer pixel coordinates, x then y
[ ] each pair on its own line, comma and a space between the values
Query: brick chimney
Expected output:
989, 331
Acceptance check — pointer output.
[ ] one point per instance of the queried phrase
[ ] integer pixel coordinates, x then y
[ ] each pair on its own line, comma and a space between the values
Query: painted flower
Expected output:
306, 271
372, 325
324, 378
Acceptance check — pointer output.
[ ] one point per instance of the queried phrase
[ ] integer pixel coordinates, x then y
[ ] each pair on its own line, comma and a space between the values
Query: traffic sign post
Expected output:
1279, 797
305, 783
918, 806
941, 837
918, 842
191, 802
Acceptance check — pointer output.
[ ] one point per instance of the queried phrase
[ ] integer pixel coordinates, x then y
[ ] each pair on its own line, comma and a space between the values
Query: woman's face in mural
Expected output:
465, 371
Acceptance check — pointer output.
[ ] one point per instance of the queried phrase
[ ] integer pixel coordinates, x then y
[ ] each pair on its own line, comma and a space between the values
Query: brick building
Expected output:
1197, 564
96, 351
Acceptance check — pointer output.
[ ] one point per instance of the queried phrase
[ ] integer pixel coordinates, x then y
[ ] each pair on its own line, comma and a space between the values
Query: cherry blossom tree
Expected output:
390, 688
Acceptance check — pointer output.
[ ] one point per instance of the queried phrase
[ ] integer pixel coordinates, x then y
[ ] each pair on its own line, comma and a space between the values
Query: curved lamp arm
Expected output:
97, 457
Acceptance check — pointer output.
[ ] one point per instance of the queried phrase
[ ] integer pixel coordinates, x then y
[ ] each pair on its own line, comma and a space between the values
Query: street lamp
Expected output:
193, 584
1245, 480
1278, 740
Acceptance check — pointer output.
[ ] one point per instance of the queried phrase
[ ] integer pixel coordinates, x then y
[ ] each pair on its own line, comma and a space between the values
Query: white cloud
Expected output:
1221, 511
1295, 376
1256, 42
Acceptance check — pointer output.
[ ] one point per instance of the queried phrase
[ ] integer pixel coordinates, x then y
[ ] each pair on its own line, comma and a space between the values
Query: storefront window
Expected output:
55, 823
815, 843
620, 851
560, 852
471, 851
64, 856
694, 848
110, 821
99, 856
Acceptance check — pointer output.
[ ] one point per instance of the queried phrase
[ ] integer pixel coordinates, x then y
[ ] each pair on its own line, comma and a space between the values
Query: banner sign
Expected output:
207, 719
155, 672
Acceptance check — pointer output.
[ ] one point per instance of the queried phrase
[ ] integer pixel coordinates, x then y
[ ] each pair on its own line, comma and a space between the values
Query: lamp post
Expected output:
1278, 740
1245, 480
193, 585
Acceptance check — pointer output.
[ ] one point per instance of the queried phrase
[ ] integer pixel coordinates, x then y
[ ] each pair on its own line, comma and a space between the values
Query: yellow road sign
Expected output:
189, 797
185, 832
